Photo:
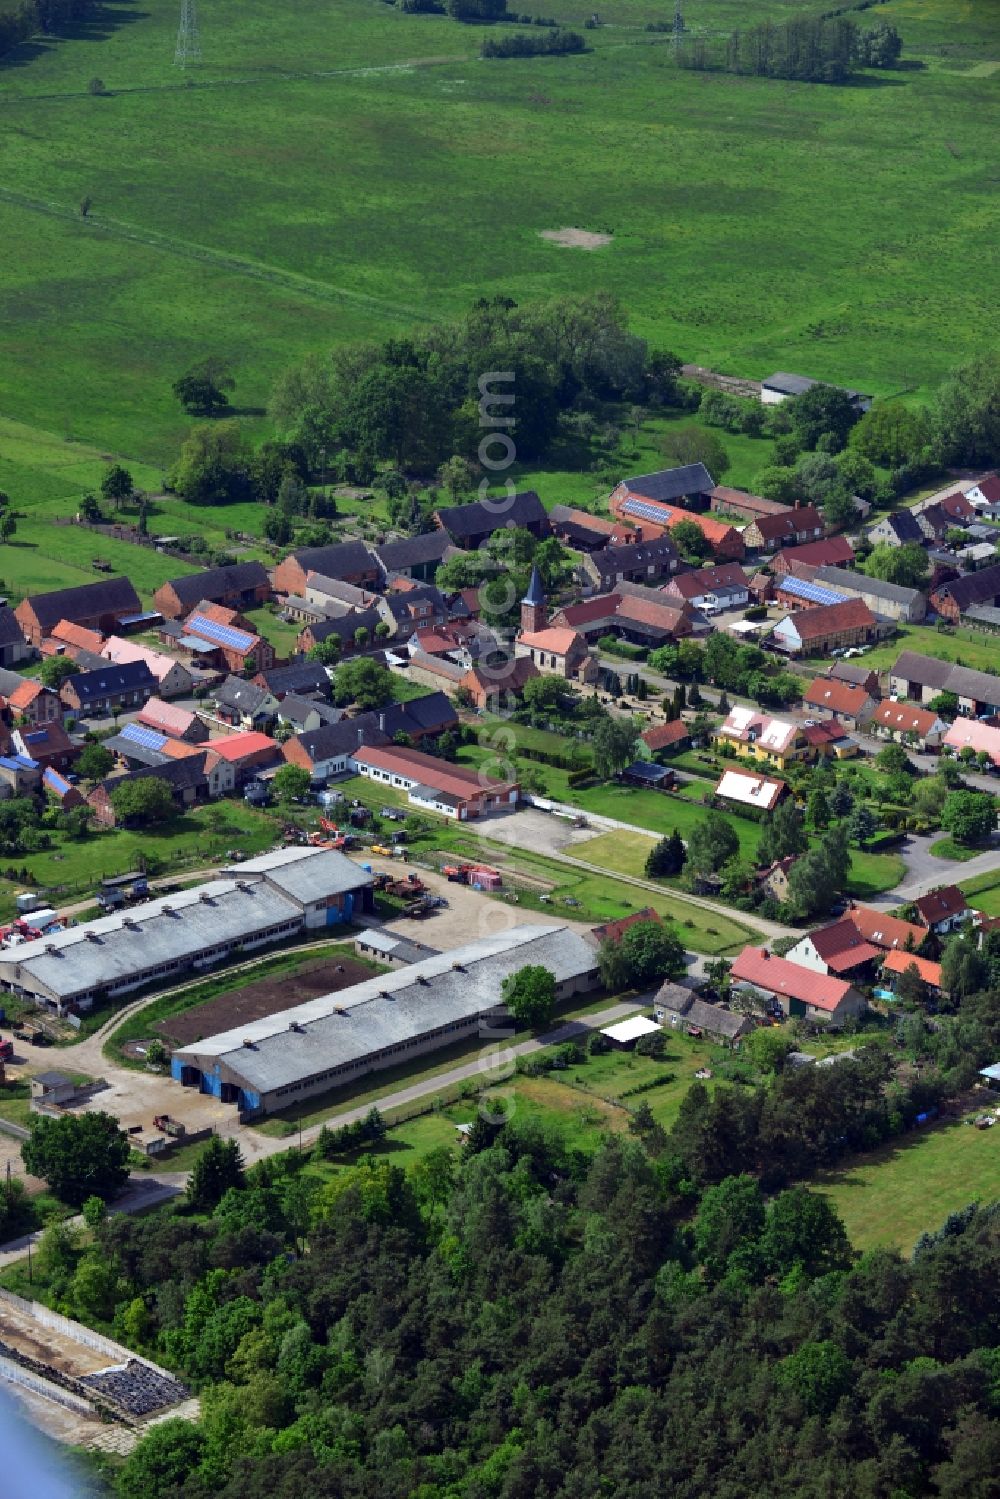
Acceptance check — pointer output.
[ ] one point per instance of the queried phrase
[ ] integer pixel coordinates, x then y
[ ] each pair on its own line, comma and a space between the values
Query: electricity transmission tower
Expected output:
188, 41
678, 22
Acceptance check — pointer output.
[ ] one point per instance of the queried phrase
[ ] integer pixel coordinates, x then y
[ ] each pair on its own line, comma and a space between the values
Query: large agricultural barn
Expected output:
264, 900
315, 1046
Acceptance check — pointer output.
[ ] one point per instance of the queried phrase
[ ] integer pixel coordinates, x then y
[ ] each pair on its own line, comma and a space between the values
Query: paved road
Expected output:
925, 871
143, 1192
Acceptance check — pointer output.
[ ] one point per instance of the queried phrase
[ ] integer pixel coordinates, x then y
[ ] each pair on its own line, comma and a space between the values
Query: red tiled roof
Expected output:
78, 635
829, 619
166, 717
755, 965
429, 771
796, 522
835, 551
938, 905
662, 735
989, 488
26, 693
657, 612
958, 507
558, 642
970, 733
899, 962
839, 697
238, 746
884, 931
842, 947
601, 605
699, 580
823, 733
905, 718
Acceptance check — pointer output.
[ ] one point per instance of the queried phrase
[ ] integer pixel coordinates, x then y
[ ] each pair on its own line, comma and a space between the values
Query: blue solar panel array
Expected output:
148, 738
647, 511
811, 592
56, 781
237, 640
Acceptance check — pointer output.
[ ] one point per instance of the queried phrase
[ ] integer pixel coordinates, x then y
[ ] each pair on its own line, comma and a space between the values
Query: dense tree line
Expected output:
526, 1322
524, 45
806, 49
47, 16
416, 402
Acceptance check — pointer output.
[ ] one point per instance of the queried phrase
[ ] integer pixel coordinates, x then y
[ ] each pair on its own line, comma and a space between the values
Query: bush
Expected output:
533, 46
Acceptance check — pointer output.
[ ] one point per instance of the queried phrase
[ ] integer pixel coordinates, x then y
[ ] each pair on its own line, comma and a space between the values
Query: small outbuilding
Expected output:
625, 1033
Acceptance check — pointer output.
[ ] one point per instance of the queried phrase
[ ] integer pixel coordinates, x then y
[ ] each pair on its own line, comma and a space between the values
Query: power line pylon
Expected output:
678, 22
188, 41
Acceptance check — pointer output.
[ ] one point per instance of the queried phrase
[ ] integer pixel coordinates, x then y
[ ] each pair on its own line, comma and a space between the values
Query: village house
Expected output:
794, 526
303, 677
325, 751
68, 639
415, 609
469, 526
632, 613
839, 949
451, 790
22, 776
971, 734
984, 497
679, 1007
176, 723
114, 689
27, 699
665, 739
773, 880
923, 678
849, 705
415, 556
242, 585
99, 606
942, 910
497, 685
856, 675
172, 679
883, 931
354, 632
905, 723
239, 649
246, 705
828, 627
744, 789
247, 753
797, 589
897, 963
304, 713
757, 736
636, 562
47, 744
13, 647
346, 561
798, 991
898, 528
935, 523
835, 551
589, 533
614, 931
185, 779
954, 599
635, 501
713, 589
60, 790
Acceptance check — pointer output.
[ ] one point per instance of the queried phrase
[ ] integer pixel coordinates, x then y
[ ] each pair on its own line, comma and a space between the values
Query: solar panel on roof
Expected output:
237, 640
148, 738
647, 510
803, 589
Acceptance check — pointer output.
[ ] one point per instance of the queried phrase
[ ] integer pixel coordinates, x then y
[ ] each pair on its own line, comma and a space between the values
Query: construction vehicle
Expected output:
420, 907
168, 1125
380, 848
480, 876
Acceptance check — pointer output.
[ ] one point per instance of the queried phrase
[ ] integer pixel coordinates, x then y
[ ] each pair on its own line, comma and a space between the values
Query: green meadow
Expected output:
339, 170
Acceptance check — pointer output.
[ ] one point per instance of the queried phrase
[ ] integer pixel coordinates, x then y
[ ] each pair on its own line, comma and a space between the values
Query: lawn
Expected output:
74, 868
317, 162
897, 1192
973, 648
984, 890
625, 853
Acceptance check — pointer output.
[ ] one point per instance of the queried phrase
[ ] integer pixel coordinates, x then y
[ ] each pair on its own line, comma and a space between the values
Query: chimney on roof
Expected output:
248, 1043
765, 952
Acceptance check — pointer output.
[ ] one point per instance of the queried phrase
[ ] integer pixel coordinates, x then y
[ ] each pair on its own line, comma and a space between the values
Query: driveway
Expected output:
925, 871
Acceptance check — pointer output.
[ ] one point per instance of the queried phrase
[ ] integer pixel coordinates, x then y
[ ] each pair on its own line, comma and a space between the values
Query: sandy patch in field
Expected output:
576, 239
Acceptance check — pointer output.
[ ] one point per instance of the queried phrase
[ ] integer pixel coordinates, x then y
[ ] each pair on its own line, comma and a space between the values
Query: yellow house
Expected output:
757, 736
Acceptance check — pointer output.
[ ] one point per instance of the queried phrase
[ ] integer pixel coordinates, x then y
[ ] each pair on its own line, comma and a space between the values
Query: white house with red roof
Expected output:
985, 497
797, 990
451, 790
839, 949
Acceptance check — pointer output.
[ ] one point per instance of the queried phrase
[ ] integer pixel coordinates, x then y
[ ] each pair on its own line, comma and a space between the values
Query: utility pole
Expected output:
188, 41
678, 22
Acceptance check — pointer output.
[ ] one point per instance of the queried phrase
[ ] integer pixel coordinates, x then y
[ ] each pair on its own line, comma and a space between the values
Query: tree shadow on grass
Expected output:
846, 1175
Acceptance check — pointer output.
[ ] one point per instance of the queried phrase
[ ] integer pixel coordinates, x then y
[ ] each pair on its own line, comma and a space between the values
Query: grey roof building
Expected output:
673, 483
676, 1005
470, 525
262, 901
338, 1037
891, 600
921, 678
416, 556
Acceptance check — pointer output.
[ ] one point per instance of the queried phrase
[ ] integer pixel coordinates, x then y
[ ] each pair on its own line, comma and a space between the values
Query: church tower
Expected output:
534, 609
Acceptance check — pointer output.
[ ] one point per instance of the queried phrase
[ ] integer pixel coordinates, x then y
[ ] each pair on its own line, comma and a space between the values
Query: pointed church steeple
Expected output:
534, 606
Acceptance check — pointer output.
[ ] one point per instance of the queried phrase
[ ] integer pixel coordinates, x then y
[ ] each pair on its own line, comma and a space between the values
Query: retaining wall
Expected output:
16, 1374
45, 1317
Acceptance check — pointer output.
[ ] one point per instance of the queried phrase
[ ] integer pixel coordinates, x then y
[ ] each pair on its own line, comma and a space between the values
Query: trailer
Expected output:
169, 1125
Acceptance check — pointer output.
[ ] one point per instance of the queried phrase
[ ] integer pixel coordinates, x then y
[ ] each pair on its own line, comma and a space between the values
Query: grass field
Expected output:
984, 892
896, 1193
202, 836
972, 648
346, 170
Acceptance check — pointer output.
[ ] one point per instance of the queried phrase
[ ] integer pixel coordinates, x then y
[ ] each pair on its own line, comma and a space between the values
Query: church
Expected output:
555, 651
